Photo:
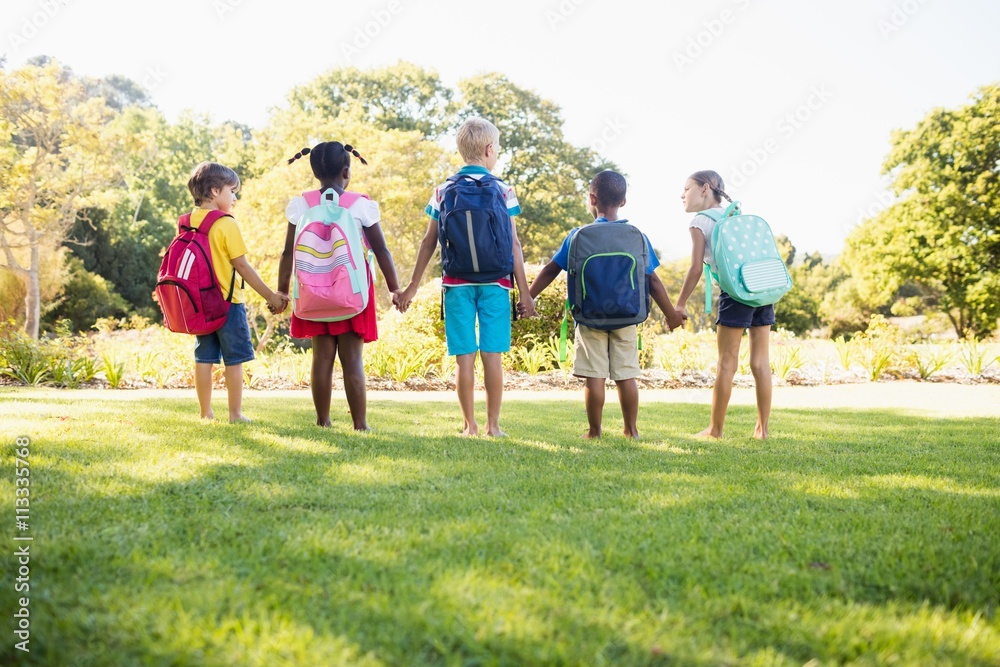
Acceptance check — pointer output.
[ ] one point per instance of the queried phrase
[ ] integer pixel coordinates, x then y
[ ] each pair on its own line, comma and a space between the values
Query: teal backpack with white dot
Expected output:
750, 267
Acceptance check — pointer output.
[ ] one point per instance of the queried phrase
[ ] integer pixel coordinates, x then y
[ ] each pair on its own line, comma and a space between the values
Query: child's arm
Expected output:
525, 302
285, 265
247, 272
662, 299
544, 278
694, 273
424, 253
376, 241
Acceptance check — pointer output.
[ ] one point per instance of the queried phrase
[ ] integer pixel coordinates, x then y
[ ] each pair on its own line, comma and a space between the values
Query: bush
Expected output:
86, 298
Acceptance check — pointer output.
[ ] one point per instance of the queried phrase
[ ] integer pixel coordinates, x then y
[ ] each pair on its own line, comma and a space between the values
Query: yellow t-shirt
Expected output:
227, 244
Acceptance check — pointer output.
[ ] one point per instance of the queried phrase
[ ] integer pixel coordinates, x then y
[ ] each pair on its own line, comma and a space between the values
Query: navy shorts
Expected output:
231, 343
737, 315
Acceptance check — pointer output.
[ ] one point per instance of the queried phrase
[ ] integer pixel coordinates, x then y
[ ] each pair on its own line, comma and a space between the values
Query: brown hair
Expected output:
712, 180
209, 176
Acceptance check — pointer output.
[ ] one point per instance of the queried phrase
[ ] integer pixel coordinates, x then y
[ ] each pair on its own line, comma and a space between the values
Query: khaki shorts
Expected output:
607, 354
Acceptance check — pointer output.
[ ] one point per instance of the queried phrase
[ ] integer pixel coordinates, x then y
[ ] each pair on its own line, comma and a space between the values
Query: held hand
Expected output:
277, 302
677, 318
526, 306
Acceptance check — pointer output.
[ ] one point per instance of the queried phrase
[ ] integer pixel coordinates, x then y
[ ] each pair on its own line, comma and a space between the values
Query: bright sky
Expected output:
792, 102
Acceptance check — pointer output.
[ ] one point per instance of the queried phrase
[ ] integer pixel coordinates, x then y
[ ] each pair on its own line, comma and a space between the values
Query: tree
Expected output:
400, 97
550, 176
57, 158
942, 236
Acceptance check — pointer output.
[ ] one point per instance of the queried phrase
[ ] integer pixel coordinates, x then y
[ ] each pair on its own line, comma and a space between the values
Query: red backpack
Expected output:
186, 286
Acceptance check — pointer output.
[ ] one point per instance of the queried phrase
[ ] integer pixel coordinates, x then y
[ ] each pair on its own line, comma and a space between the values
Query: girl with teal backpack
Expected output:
739, 252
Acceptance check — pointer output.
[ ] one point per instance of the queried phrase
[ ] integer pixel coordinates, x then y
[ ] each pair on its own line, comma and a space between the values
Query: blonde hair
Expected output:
474, 136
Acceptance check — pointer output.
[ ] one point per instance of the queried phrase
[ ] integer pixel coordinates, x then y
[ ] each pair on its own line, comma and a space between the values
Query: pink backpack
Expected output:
186, 287
331, 278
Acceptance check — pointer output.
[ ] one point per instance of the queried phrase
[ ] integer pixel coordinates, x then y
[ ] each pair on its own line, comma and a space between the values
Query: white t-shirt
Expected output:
707, 226
363, 210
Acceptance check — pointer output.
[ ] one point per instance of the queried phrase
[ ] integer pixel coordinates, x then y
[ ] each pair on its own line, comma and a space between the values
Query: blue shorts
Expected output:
734, 314
463, 305
230, 343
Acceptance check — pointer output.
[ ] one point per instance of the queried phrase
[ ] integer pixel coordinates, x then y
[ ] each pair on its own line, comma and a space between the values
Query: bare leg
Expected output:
729, 360
351, 347
760, 365
493, 376
324, 348
234, 388
593, 398
203, 387
628, 396
465, 385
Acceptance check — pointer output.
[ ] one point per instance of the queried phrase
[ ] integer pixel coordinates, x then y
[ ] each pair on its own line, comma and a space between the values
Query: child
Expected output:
214, 187
467, 299
331, 165
705, 190
602, 354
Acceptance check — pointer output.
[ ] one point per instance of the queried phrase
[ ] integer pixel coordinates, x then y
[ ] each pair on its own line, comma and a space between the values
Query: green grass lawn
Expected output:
849, 538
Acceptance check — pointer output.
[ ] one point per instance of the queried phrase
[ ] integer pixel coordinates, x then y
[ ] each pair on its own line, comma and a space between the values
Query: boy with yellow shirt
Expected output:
213, 187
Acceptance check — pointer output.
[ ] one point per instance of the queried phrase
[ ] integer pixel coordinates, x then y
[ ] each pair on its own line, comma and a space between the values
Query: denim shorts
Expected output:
463, 306
737, 315
231, 343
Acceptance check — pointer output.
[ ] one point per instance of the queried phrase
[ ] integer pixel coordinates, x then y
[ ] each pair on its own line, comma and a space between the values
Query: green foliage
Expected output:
23, 360
976, 357
928, 360
943, 234
282, 543
785, 359
532, 356
402, 97
114, 370
86, 298
878, 347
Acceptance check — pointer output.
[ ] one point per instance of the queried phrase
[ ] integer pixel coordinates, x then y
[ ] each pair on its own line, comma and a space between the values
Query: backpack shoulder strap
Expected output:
213, 216
184, 223
311, 197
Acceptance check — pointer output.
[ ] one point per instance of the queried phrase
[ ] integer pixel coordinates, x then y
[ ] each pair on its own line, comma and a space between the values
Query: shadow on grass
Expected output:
406, 548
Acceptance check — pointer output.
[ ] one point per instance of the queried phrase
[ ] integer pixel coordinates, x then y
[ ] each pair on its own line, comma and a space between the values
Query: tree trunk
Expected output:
32, 300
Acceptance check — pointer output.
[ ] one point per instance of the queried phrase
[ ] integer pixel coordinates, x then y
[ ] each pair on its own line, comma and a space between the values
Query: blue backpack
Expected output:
474, 230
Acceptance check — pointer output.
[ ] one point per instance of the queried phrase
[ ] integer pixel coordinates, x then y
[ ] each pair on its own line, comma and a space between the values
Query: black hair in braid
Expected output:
329, 159
714, 181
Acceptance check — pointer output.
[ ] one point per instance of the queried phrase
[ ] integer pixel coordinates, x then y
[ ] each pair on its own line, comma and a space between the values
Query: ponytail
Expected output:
329, 158
302, 153
713, 181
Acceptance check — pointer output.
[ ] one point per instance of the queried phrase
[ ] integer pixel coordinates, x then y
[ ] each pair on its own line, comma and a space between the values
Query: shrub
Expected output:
928, 360
877, 347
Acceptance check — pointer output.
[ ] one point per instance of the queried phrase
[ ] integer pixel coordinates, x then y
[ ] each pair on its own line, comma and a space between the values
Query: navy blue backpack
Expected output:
474, 230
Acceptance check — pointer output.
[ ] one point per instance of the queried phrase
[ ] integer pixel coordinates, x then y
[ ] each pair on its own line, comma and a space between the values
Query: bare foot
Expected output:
209, 416
632, 434
240, 419
591, 435
324, 423
471, 431
364, 428
761, 432
496, 433
708, 435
